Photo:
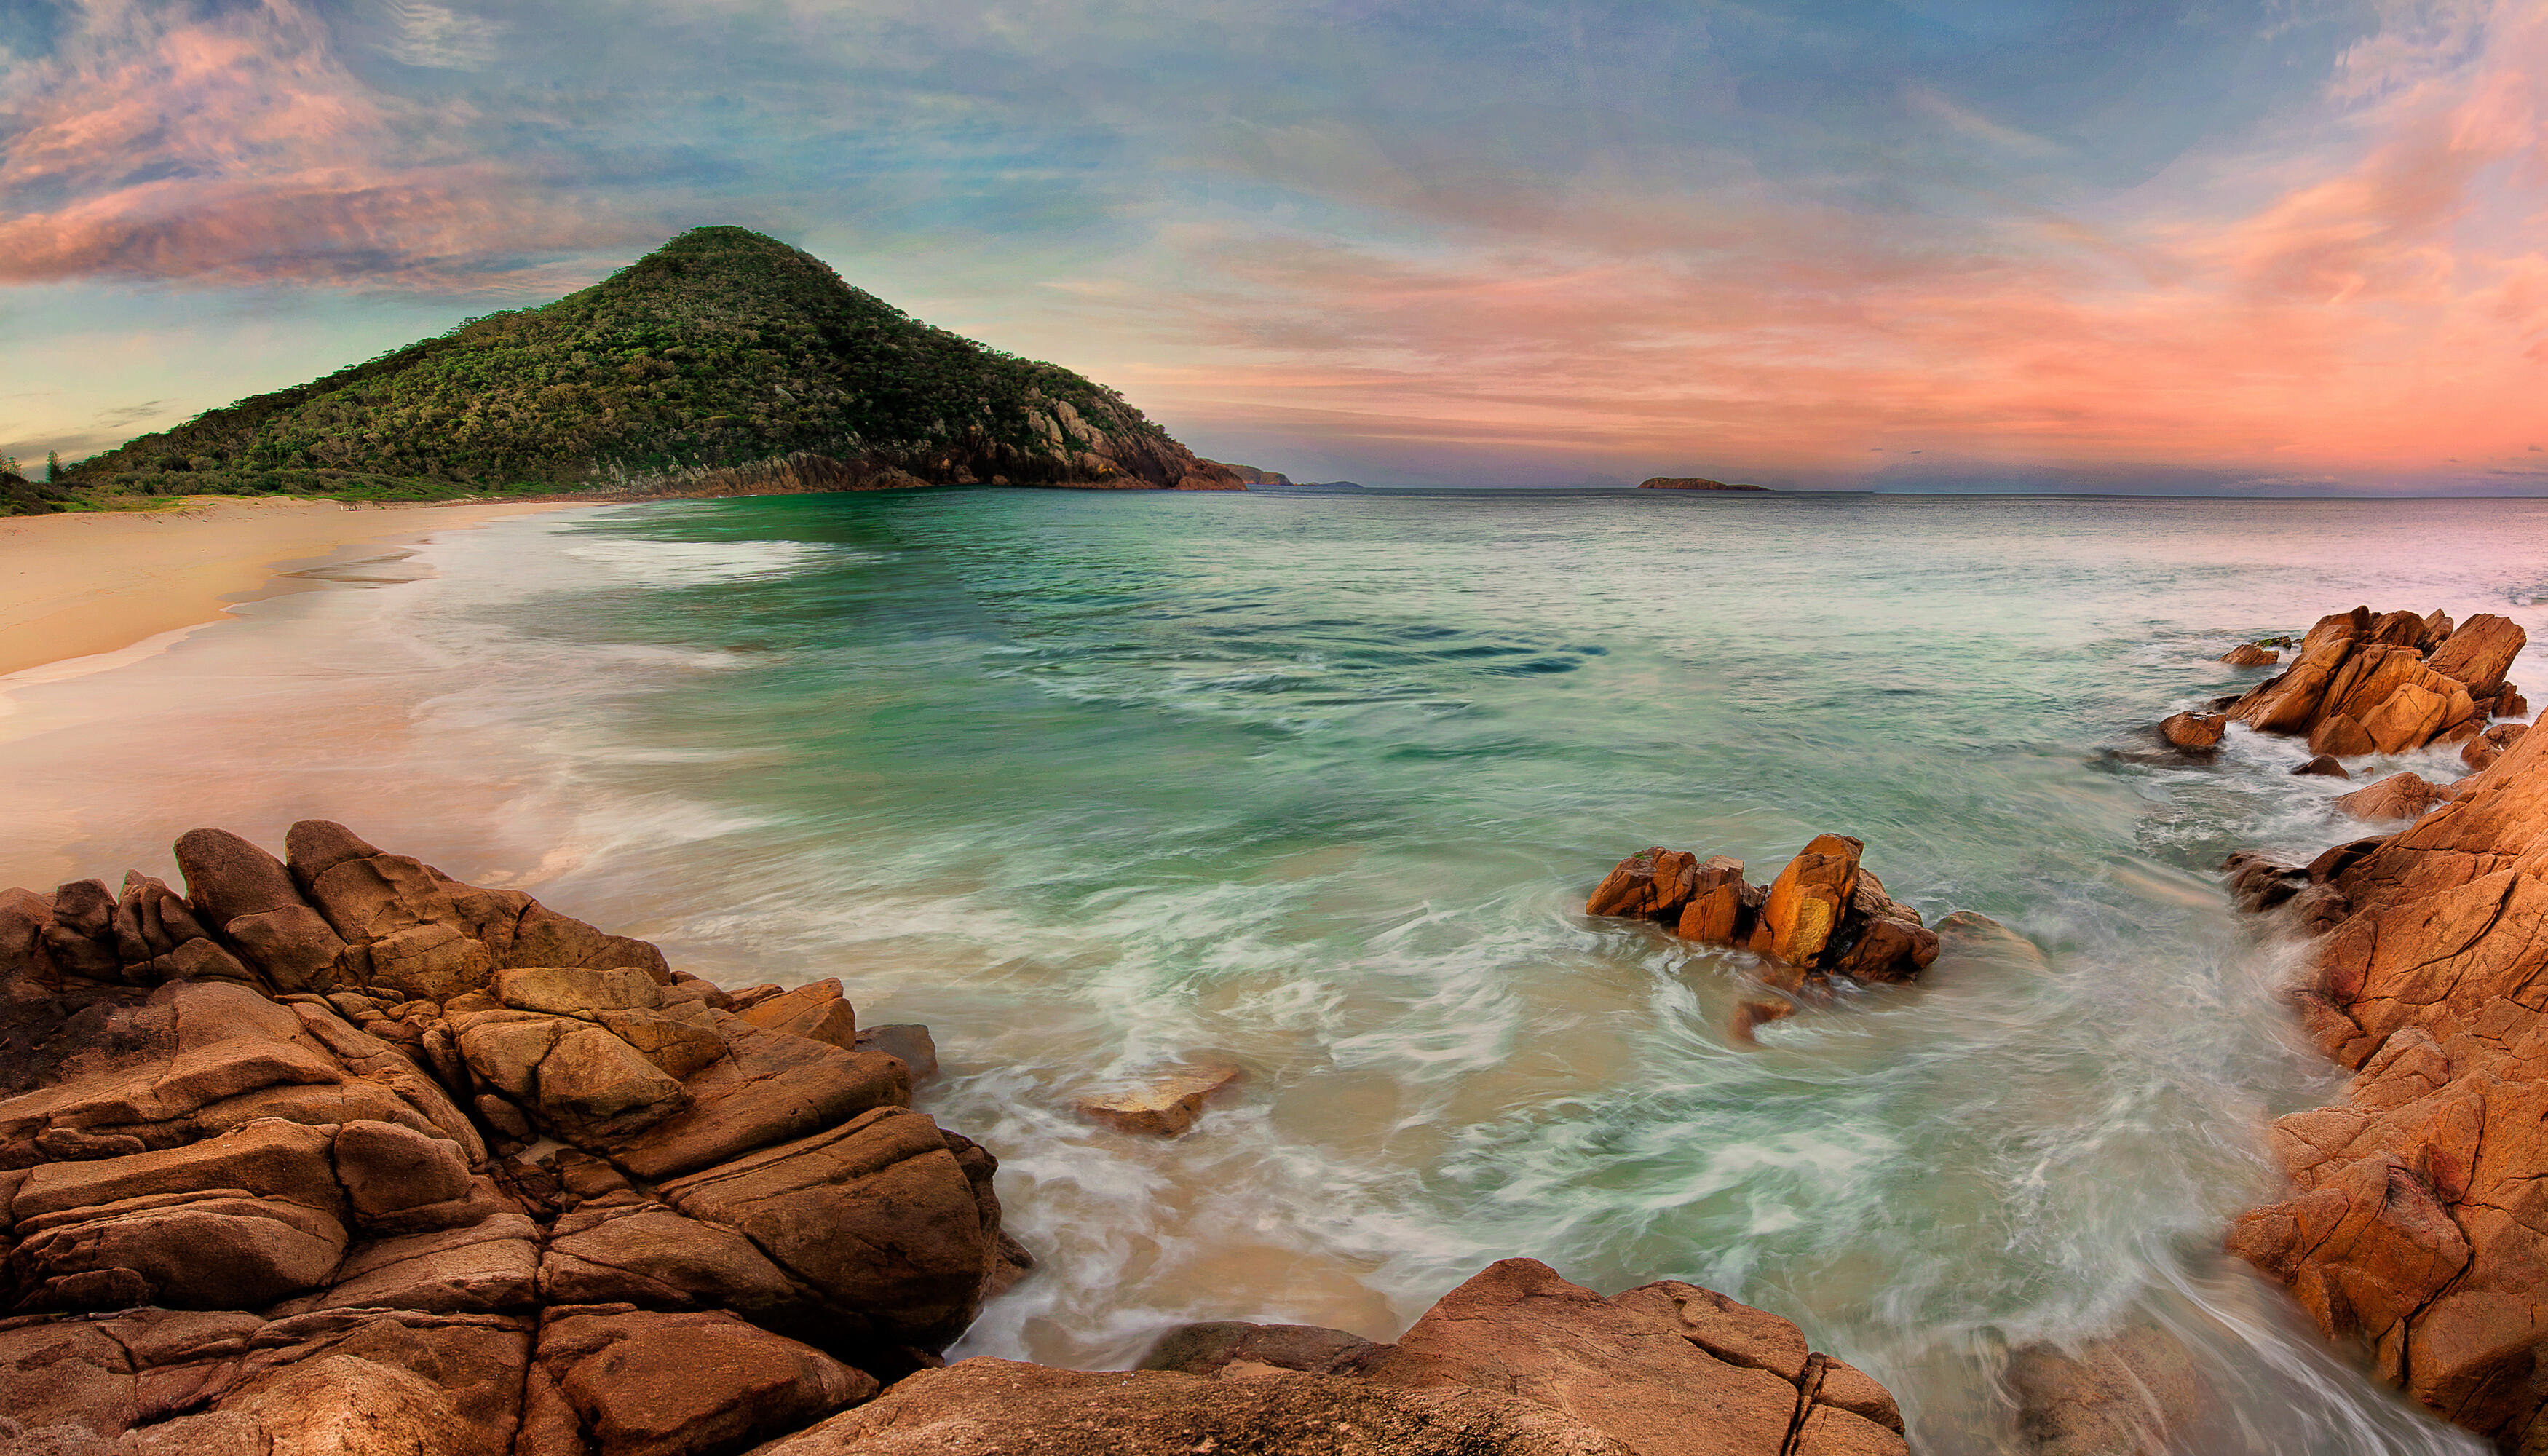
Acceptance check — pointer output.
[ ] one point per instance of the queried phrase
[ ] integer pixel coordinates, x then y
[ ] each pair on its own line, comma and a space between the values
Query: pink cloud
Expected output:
2376, 306
236, 146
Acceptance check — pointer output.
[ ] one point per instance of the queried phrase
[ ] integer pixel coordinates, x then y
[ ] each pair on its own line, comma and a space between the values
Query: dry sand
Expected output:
78, 583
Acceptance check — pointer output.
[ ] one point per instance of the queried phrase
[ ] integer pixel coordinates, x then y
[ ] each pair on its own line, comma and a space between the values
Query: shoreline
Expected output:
86, 585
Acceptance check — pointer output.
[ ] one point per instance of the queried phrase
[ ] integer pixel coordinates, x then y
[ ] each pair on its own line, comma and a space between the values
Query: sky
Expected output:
2183, 247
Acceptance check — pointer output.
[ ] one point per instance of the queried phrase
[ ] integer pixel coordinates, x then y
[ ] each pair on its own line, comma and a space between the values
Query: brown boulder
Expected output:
1807, 902
2481, 652
770, 1089
339, 1382
644, 1384
1721, 905
2193, 732
228, 877
151, 920
1888, 949
2323, 765
2108, 1398
427, 962
2249, 655
1230, 1347
1642, 1367
594, 1087
2339, 736
2406, 718
292, 945
816, 1011
80, 935
878, 1215
645, 1254
1652, 884
372, 898
1161, 1107
1002, 1407
911, 1044
2483, 750
2397, 796
188, 1250
2288, 702
543, 937
569, 990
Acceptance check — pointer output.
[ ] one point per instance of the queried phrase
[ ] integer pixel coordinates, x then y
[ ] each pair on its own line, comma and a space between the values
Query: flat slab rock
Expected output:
1163, 1108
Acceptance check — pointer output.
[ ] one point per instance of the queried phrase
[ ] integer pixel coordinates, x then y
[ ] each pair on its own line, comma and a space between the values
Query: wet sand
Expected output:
76, 584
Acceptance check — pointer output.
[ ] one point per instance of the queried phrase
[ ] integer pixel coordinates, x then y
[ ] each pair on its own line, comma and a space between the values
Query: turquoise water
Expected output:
1094, 784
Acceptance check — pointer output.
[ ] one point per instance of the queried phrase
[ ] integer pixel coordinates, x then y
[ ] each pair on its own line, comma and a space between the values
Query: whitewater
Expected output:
1097, 784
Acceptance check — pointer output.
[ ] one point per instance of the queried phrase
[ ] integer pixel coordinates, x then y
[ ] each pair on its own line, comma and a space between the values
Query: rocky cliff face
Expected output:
335, 1155
2419, 1222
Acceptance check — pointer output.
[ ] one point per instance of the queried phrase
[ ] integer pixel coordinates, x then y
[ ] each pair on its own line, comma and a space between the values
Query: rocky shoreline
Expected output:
2416, 1225
334, 1154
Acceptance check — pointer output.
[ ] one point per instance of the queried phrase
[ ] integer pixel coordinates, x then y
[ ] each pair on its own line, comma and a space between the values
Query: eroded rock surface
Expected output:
2418, 1204
263, 1185
1824, 915
2365, 683
266, 1190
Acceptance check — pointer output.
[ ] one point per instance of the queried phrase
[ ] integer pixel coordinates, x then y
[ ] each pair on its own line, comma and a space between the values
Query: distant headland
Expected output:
1691, 483
722, 363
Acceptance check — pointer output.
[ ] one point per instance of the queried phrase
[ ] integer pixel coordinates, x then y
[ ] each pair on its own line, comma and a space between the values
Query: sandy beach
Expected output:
80, 583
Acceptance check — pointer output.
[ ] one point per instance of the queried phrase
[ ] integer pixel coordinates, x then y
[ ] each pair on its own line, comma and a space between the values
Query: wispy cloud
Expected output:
1728, 237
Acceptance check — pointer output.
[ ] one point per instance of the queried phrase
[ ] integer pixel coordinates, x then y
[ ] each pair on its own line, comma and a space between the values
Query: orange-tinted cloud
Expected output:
232, 145
2374, 305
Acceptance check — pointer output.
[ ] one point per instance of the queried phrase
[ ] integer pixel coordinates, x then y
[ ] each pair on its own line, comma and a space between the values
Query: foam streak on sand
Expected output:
77, 585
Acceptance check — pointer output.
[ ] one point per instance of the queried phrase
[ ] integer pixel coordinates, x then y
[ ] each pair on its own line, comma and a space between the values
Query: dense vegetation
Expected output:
720, 348
21, 497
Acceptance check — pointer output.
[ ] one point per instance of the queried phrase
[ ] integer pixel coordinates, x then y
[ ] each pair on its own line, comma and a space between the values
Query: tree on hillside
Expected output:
53, 467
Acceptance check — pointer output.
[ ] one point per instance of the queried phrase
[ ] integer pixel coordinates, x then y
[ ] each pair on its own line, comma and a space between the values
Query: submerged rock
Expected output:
2250, 655
2397, 796
2323, 765
1163, 1108
2193, 732
2116, 1397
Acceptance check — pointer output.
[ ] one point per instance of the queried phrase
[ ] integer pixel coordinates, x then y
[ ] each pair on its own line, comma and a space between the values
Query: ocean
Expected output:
1099, 783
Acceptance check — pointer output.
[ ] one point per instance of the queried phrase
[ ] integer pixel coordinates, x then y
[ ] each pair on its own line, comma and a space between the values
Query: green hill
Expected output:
724, 359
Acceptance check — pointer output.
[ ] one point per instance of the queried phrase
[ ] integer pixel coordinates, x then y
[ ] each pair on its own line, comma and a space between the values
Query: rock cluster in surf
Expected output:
2363, 682
1824, 915
2417, 1222
335, 1153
